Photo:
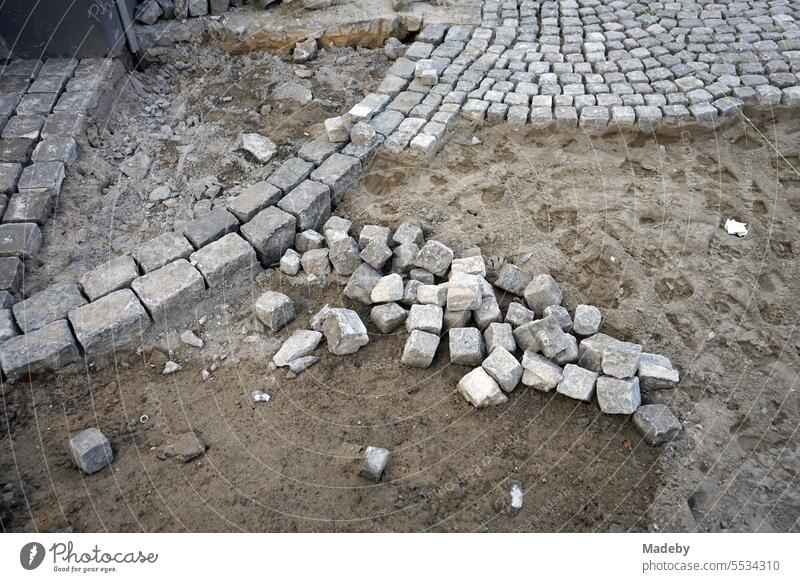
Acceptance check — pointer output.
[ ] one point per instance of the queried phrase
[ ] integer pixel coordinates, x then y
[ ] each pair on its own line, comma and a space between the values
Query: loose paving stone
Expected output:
319, 318
570, 354
474, 265
261, 148
372, 232
111, 276
316, 262
621, 359
517, 314
337, 129
309, 203
466, 346
361, 284
340, 173
561, 315
541, 292
617, 396
539, 372
408, 233
480, 389
300, 344
220, 261
8, 328
111, 322
344, 331
161, 250
375, 461
45, 349
657, 424
420, 349
299, 365
388, 317
499, 335
275, 310
210, 227
11, 270
404, 257
290, 263
464, 292
376, 254
253, 200
308, 240
487, 313
587, 320
271, 233
46, 306
29, 206
337, 223
434, 257
549, 337
345, 256
388, 289
425, 318
169, 290
91, 450
656, 373
291, 174
432, 294
504, 368
578, 383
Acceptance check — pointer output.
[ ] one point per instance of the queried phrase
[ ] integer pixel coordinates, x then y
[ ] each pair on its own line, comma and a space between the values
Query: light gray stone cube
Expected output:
300, 344
168, 291
499, 335
434, 257
361, 284
316, 262
540, 373
45, 349
344, 332
271, 233
517, 314
480, 389
47, 306
617, 396
388, 317
466, 346
113, 321
111, 276
388, 289
587, 320
375, 462
91, 450
578, 383
275, 310
420, 349
541, 292
309, 203
504, 368
657, 424
425, 318
163, 249
561, 315
223, 259
656, 372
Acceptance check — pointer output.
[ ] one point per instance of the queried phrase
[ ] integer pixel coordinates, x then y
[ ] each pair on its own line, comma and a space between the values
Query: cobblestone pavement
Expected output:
580, 65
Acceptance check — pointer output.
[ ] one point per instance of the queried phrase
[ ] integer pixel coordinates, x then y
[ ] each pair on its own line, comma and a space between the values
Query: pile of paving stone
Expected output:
420, 284
150, 11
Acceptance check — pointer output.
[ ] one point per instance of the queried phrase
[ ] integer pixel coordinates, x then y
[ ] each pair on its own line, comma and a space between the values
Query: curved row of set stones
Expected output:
447, 71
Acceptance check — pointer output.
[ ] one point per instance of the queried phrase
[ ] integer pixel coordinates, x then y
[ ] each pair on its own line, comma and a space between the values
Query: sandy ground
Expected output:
630, 223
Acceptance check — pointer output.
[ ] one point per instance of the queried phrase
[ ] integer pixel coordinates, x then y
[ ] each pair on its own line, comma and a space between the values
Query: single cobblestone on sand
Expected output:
375, 461
344, 332
541, 292
587, 320
617, 396
91, 450
275, 310
420, 349
300, 344
657, 424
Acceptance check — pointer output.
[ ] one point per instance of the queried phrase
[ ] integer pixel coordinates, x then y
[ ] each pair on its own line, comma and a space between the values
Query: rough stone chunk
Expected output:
621, 359
109, 323
513, 279
517, 314
420, 349
290, 263
404, 256
309, 203
344, 332
308, 240
499, 335
271, 233
656, 372
464, 292
541, 292
466, 346
617, 396
8, 328
587, 320
371, 233
337, 130
657, 424
388, 289
375, 462
275, 310
432, 294
111, 276
376, 254
221, 260
577, 382
473, 265
388, 317
434, 257
591, 351
345, 256
167, 291
539, 372
47, 306
253, 200
91, 450
261, 148
21, 240
340, 173
361, 284
424, 277
542, 335
210, 227
300, 344
504, 368
570, 355
319, 318
561, 315
163, 249
425, 318
182, 448
316, 262
45, 349
337, 223
480, 389
408, 233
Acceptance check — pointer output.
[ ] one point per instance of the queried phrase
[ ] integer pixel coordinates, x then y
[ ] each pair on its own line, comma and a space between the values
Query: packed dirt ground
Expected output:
630, 223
